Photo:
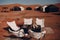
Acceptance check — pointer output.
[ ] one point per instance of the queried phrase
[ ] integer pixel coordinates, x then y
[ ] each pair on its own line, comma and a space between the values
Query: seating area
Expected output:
29, 28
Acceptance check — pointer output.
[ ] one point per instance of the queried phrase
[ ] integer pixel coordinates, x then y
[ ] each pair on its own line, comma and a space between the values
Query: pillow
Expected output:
13, 25
40, 22
27, 21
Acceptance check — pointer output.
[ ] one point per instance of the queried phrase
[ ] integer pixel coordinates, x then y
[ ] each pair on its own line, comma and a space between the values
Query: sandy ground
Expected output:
51, 20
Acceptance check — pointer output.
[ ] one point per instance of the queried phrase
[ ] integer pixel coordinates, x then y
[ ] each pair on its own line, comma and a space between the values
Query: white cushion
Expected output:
40, 22
19, 33
27, 21
13, 25
36, 34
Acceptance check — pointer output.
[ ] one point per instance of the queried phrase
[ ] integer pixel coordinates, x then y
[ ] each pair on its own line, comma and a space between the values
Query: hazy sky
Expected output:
42, 2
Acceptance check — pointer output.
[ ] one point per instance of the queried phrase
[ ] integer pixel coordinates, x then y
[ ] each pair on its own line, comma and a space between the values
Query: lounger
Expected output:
38, 34
13, 25
17, 31
27, 23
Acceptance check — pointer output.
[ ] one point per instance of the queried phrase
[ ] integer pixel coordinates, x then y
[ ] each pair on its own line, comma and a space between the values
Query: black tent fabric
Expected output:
38, 9
51, 8
28, 8
15, 8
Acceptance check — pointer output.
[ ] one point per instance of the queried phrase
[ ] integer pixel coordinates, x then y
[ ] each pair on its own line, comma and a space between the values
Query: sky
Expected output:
29, 2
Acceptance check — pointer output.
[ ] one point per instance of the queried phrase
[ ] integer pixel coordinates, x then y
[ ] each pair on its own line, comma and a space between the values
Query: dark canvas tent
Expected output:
28, 8
51, 8
15, 8
38, 9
